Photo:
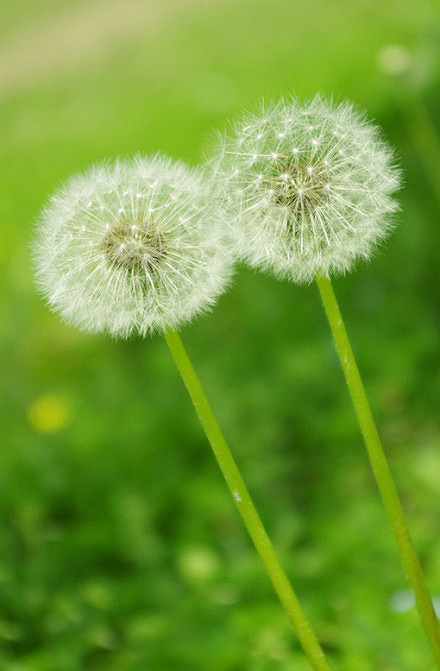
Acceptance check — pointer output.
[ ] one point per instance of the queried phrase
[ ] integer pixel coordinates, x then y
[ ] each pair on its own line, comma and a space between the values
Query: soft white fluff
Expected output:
307, 186
132, 246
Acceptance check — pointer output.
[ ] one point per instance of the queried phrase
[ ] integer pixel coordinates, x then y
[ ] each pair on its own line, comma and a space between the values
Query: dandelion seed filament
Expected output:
138, 249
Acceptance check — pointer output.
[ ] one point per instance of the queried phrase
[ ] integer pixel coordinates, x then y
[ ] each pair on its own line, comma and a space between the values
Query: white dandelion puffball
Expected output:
132, 246
307, 186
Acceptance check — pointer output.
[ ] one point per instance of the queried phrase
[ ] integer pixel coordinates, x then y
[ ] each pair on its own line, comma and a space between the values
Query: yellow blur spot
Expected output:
49, 414
199, 564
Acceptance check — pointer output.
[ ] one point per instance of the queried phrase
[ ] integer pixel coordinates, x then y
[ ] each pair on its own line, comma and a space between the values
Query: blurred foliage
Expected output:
120, 547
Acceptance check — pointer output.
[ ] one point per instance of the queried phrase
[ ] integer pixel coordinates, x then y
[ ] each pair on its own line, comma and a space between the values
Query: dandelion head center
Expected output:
136, 248
302, 187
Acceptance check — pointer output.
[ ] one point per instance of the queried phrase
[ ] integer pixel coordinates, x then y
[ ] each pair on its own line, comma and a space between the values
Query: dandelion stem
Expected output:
246, 507
425, 138
380, 468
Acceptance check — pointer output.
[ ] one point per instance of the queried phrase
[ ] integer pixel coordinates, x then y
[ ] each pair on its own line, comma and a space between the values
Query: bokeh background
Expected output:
119, 546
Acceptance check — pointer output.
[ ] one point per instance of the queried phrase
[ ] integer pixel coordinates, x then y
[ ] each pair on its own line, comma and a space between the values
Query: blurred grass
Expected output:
119, 546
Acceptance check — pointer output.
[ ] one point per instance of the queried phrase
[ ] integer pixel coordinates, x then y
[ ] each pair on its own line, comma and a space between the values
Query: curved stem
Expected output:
246, 507
380, 468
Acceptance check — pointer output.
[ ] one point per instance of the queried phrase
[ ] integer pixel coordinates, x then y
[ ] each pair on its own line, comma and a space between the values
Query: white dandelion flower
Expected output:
308, 187
132, 246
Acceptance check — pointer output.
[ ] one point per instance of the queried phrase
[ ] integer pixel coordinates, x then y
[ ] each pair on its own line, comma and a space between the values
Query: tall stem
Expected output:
425, 137
246, 507
380, 468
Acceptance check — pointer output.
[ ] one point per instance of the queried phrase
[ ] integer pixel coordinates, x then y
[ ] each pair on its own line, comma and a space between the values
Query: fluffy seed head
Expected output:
132, 246
308, 187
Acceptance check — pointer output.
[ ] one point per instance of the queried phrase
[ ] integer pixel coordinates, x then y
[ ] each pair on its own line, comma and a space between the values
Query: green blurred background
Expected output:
120, 547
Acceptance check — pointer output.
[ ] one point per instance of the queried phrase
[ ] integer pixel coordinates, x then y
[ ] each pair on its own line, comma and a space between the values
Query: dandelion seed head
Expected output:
312, 199
132, 247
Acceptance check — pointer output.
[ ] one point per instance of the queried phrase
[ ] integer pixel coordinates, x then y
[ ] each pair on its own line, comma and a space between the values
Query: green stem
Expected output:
380, 467
425, 137
246, 507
